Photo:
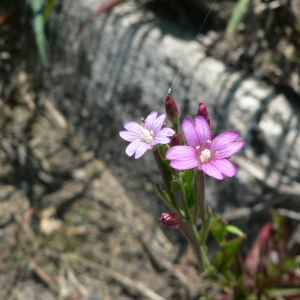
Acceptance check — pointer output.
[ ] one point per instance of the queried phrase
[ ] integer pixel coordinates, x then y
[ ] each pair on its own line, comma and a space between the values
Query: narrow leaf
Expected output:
188, 186
224, 258
218, 227
234, 230
38, 24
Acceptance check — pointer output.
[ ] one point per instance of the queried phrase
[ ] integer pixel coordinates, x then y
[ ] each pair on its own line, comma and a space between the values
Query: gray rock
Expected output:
120, 68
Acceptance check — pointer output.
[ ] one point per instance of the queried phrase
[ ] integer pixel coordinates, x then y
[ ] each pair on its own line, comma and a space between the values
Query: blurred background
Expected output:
79, 217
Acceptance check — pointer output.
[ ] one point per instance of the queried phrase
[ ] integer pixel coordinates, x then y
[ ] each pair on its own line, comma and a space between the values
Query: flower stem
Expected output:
187, 232
165, 199
200, 184
187, 211
196, 205
165, 179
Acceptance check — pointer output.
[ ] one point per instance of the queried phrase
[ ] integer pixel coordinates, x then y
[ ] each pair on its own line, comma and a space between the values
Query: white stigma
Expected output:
147, 136
205, 156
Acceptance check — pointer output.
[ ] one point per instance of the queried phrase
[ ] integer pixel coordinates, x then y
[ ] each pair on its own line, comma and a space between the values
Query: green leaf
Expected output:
234, 230
188, 186
48, 8
164, 162
38, 24
176, 185
237, 17
224, 258
218, 227
278, 220
164, 196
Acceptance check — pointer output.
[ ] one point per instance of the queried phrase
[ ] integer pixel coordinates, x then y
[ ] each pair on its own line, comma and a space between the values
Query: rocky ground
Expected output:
68, 230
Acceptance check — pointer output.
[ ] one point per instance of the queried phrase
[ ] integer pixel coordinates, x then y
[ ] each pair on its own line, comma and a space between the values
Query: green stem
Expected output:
204, 231
165, 179
187, 232
167, 202
187, 211
196, 205
200, 184
176, 128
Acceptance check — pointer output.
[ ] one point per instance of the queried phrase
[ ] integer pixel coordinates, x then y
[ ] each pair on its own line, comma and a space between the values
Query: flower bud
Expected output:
176, 140
172, 110
203, 112
170, 219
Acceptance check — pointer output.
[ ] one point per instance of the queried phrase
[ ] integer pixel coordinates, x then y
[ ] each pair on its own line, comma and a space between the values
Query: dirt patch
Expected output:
68, 230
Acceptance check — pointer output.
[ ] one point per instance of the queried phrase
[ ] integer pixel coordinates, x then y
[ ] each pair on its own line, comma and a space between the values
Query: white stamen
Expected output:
205, 156
147, 136
198, 147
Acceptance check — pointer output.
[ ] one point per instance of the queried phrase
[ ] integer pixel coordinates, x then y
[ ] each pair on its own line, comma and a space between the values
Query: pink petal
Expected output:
150, 120
183, 157
229, 149
166, 132
190, 132
161, 140
142, 148
225, 166
224, 139
203, 130
133, 126
211, 170
130, 136
158, 124
163, 136
217, 168
132, 147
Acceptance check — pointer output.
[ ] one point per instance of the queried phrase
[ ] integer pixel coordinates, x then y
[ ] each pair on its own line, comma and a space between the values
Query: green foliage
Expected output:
234, 230
218, 228
39, 20
48, 8
224, 258
188, 187
237, 17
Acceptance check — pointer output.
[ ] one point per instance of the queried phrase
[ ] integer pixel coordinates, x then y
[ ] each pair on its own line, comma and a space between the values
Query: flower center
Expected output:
205, 156
147, 136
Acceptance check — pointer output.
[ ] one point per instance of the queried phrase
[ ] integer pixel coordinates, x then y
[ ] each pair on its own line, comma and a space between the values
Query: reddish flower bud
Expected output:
176, 140
203, 112
170, 219
172, 110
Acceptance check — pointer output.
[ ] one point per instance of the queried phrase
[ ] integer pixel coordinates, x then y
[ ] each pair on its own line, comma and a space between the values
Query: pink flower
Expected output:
143, 138
208, 155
